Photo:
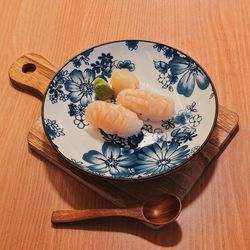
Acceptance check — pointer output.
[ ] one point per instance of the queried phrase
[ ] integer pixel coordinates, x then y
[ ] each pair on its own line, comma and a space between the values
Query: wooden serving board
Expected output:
33, 72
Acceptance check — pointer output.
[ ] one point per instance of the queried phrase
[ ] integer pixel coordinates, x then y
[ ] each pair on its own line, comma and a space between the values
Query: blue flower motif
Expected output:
110, 160
103, 68
84, 57
104, 65
191, 75
159, 47
167, 124
158, 158
114, 139
80, 86
127, 64
161, 66
56, 87
53, 129
132, 44
192, 107
167, 80
78, 111
183, 134
147, 128
163, 78
107, 71
168, 53
195, 120
87, 53
77, 62
131, 142
182, 117
97, 67
106, 58
56, 92
80, 121
62, 77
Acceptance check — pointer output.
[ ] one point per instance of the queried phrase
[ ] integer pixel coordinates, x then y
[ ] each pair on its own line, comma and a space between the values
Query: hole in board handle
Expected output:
28, 68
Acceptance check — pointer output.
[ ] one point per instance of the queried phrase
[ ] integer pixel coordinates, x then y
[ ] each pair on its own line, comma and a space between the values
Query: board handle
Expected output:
32, 72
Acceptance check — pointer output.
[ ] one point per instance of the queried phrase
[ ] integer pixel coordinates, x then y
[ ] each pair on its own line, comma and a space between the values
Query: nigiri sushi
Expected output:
113, 119
148, 105
123, 79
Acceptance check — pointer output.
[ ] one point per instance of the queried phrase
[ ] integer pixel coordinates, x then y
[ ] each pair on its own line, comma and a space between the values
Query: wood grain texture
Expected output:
178, 183
215, 33
27, 74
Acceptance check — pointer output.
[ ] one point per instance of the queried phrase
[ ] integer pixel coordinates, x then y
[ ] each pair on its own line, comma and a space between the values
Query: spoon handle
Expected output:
64, 216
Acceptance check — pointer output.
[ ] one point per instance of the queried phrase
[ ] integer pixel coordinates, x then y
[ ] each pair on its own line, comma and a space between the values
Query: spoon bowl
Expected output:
158, 210
162, 209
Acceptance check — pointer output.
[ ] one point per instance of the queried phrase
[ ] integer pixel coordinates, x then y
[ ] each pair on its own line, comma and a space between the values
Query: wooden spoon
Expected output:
158, 210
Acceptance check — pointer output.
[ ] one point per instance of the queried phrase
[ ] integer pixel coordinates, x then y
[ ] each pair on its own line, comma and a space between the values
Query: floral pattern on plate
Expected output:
158, 158
77, 86
183, 125
159, 147
53, 129
111, 160
179, 69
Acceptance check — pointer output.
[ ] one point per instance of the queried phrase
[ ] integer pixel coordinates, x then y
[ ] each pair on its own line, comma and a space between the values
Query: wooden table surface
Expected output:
215, 33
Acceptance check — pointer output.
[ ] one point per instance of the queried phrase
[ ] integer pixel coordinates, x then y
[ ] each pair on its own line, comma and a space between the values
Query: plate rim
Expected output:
124, 179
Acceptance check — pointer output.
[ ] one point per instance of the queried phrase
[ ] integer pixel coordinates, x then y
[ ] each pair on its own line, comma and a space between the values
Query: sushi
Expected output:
123, 79
113, 119
148, 105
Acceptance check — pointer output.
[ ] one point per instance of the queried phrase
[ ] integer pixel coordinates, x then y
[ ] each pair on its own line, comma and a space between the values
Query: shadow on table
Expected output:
169, 235
79, 197
203, 181
200, 186
71, 191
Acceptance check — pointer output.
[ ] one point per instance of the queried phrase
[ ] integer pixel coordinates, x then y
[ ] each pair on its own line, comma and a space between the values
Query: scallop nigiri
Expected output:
113, 119
148, 105
123, 79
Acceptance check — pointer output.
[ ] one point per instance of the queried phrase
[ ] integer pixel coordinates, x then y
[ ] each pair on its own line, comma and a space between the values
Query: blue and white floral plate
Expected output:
160, 147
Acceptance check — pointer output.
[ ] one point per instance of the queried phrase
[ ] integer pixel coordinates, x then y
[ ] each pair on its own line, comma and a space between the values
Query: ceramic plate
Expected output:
159, 147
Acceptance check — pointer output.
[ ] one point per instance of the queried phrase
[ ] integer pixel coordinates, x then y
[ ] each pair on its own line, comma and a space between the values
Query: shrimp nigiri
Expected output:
147, 105
123, 79
113, 119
